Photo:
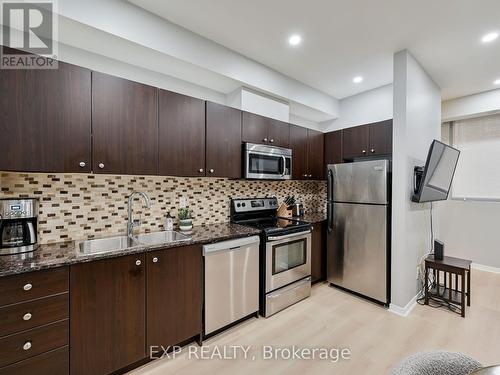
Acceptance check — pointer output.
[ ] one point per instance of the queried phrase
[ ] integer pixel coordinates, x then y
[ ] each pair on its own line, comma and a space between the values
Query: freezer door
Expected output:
358, 182
357, 249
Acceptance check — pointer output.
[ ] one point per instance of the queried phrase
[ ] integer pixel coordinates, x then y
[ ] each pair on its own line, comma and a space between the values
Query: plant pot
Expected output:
186, 224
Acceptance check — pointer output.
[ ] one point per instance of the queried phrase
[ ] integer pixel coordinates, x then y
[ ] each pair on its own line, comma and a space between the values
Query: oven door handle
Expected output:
278, 238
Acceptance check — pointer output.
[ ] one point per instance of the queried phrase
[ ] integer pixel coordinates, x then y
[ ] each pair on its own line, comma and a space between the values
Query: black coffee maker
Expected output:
18, 226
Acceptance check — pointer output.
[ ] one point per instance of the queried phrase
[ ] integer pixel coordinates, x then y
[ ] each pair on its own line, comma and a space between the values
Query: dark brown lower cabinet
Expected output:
108, 314
318, 252
174, 295
55, 362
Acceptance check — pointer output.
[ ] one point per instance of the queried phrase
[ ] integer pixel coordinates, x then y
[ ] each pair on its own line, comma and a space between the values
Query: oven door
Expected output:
265, 162
288, 259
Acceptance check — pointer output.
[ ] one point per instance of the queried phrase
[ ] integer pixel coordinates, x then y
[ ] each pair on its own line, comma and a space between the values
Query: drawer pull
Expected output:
155, 260
138, 262
27, 316
27, 287
27, 345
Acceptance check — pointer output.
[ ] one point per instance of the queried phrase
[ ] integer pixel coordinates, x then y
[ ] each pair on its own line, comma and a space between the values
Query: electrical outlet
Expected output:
183, 202
418, 272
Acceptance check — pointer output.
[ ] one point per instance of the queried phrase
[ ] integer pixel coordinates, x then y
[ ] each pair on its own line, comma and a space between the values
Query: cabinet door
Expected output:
298, 143
278, 133
318, 252
355, 142
224, 148
45, 122
333, 147
315, 158
381, 138
255, 128
124, 125
181, 135
108, 312
174, 295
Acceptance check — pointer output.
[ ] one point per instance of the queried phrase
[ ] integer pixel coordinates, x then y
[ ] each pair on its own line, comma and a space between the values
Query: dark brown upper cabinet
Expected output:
45, 122
365, 140
181, 135
223, 141
333, 147
298, 143
124, 126
108, 314
315, 157
174, 295
381, 138
307, 147
265, 130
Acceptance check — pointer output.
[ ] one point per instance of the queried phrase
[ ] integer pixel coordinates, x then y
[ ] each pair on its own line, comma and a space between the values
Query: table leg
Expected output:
426, 287
468, 287
462, 278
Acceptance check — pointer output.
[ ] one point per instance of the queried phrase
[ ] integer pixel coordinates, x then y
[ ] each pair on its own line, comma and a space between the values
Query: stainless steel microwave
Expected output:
267, 162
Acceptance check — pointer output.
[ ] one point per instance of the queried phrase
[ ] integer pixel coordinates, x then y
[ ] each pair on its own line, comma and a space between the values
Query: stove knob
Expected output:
238, 205
243, 204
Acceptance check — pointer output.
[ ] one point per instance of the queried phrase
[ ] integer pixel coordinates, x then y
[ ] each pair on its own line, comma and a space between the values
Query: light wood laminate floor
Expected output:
377, 338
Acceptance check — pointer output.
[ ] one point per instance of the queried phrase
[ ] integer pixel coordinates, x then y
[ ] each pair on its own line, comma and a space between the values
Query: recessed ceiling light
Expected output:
490, 37
295, 40
357, 79
497, 82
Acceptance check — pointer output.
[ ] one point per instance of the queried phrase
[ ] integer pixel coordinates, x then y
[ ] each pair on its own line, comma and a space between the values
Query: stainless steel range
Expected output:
285, 253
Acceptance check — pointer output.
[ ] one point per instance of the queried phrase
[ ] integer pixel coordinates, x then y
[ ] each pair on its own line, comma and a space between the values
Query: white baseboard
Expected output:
482, 267
404, 311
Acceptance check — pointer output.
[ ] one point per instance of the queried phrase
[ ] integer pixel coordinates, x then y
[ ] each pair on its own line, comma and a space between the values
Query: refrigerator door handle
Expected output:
330, 185
330, 217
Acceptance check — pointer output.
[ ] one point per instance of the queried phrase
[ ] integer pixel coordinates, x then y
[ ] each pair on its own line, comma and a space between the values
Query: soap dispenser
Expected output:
169, 222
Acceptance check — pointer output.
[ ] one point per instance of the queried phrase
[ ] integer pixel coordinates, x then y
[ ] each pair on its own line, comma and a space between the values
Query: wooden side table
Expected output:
454, 269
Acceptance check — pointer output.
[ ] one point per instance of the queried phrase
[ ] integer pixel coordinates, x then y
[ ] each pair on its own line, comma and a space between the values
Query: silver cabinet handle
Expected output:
211, 171
271, 140
101, 165
372, 150
265, 140
138, 262
27, 345
364, 151
27, 316
27, 287
310, 176
200, 170
155, 260
82, 164
304, 175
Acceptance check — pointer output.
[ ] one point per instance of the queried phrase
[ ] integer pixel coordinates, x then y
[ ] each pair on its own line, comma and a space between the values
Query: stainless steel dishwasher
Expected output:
231, 282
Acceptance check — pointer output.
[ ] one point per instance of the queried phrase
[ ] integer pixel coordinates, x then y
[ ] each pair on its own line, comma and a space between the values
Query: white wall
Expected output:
369, 106
470, 106
417, 121
106, 65
254, 102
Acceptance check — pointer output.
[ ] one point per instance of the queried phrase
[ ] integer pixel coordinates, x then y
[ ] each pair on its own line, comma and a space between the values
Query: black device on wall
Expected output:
438, 250
433, 182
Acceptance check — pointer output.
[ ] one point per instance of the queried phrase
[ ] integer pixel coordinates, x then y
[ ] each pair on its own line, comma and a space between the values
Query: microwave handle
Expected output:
284, 165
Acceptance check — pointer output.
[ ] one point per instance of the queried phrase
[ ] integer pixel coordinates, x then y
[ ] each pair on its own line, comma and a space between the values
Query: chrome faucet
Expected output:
131, 224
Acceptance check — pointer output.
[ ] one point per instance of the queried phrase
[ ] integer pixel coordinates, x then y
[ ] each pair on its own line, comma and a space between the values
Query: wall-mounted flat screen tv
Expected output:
433, 182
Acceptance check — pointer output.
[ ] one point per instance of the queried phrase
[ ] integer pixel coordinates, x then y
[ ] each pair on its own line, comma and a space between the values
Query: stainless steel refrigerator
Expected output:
358, 257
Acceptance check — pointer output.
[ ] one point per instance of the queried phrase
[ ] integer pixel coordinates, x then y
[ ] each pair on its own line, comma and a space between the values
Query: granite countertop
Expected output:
66, 253
311, 217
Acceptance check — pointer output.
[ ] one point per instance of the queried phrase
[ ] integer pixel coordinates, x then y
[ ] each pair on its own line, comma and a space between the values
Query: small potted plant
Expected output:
185, 219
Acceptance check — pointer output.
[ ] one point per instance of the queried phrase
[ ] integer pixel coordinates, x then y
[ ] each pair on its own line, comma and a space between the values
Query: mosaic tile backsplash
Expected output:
81, 206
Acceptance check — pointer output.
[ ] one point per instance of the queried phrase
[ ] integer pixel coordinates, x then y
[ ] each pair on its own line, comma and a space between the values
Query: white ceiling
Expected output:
343, 39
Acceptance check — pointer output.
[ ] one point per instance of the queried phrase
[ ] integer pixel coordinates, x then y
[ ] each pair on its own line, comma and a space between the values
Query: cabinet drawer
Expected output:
29, 343
55, 362
33, 285
26, 315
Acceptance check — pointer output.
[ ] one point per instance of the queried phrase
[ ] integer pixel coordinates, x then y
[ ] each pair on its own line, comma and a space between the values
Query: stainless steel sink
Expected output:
158, 238
104, 245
